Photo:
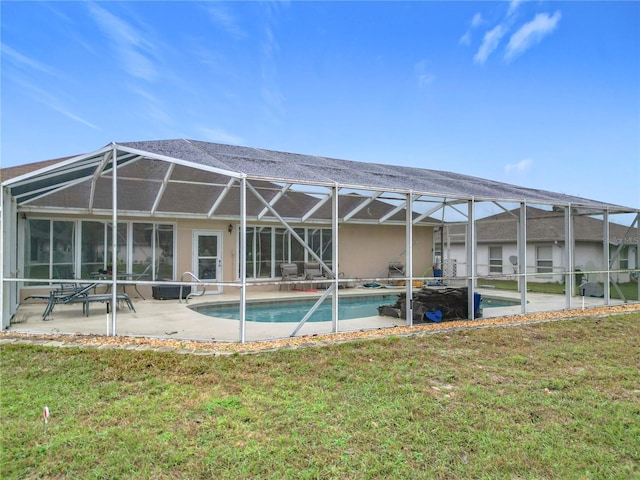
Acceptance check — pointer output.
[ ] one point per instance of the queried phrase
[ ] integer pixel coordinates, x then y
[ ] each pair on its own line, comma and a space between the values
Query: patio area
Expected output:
171, 319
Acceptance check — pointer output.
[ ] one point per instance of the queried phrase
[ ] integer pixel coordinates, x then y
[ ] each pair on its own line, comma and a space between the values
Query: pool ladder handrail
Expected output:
199, 294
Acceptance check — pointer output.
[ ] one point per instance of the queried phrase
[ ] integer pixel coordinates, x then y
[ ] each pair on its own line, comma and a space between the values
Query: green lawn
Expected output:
553, 400
629, 290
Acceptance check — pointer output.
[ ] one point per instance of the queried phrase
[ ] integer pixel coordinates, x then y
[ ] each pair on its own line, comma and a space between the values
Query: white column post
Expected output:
606, 257
522, 257
471, 258
569, 283
409, 259
242, 257
335, 257
114, 239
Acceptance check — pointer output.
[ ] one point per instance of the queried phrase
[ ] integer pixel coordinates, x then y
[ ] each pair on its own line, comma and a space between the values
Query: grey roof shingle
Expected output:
208, 167
542, 226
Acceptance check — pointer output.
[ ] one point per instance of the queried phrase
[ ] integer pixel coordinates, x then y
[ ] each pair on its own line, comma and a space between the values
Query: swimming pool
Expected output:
292, 311
490, 302
295, 310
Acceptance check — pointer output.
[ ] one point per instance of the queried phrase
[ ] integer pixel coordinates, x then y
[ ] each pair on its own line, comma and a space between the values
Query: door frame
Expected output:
196, 234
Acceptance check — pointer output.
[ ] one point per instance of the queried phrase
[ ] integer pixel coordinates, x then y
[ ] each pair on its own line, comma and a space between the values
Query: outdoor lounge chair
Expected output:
396, 270
81, 295
289, 273
66, 295
313, 271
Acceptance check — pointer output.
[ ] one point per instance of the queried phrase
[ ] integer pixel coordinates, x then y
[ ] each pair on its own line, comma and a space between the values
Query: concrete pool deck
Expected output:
170, 319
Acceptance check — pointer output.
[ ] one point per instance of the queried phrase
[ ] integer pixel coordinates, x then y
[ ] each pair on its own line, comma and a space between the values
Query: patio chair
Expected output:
396, 270
67, 295
313, 271
83, 296
105, 298
289, 273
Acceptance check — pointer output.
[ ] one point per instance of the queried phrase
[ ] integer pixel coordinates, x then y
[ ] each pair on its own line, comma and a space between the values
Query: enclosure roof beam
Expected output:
362, 205
163, 187
274, 200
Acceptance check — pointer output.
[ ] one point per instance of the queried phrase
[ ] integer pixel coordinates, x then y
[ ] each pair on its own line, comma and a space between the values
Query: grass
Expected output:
553, 400
629, 290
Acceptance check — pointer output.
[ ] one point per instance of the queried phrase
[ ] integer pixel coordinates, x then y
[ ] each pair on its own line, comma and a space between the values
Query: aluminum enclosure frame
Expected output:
25, 193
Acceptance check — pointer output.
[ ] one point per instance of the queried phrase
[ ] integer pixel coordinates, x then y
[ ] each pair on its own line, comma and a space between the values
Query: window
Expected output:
50, 249
623, 262
92, 250
268, 247
141, 248
495, 259
544, 259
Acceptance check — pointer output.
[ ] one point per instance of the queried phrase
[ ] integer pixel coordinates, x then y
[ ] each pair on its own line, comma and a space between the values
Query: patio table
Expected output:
121, 276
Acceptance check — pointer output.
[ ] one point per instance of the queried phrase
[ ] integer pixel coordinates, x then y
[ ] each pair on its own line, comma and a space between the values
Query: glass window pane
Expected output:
327, 240
297, 250
282, 246
315, 241
142, 250
495, 259
207, 246
544, 261
251, 252
263, 252
92, 248
63, 236
37, 249
164, 252
121, 245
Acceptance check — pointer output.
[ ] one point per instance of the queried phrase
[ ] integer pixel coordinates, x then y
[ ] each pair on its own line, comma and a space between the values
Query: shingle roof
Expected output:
269, 164
542, 226
187, 176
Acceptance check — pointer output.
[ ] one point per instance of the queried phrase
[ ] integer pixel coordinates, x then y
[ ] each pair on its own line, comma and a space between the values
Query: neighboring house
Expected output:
546, 253
228, 214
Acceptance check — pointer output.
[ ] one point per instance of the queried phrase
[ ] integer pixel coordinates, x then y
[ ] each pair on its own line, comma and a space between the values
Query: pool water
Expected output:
489, 302
289, 311
295, 310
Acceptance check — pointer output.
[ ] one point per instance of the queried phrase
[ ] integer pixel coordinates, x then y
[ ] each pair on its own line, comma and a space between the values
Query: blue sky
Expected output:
539, 94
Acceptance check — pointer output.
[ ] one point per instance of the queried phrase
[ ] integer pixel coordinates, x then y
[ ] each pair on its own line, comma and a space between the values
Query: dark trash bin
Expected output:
170, 292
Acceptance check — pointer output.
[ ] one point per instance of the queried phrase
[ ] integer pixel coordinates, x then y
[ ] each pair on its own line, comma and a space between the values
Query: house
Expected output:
546, 253
226, 217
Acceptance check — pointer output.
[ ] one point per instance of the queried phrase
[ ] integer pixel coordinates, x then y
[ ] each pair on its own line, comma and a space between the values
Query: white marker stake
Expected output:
45, 415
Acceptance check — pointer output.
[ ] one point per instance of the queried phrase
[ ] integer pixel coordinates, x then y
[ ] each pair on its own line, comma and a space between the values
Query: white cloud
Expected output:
519, 167
132, 47
466, 39
513, 6
52, 101
476, 21
23, 60
490, 42
425, 77
219, 135
531, 33
222, 17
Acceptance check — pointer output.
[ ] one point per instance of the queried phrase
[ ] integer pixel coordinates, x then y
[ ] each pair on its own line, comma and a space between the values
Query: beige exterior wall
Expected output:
366, 250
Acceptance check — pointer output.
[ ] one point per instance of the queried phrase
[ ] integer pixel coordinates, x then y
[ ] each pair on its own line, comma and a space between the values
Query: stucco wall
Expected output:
366, 250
